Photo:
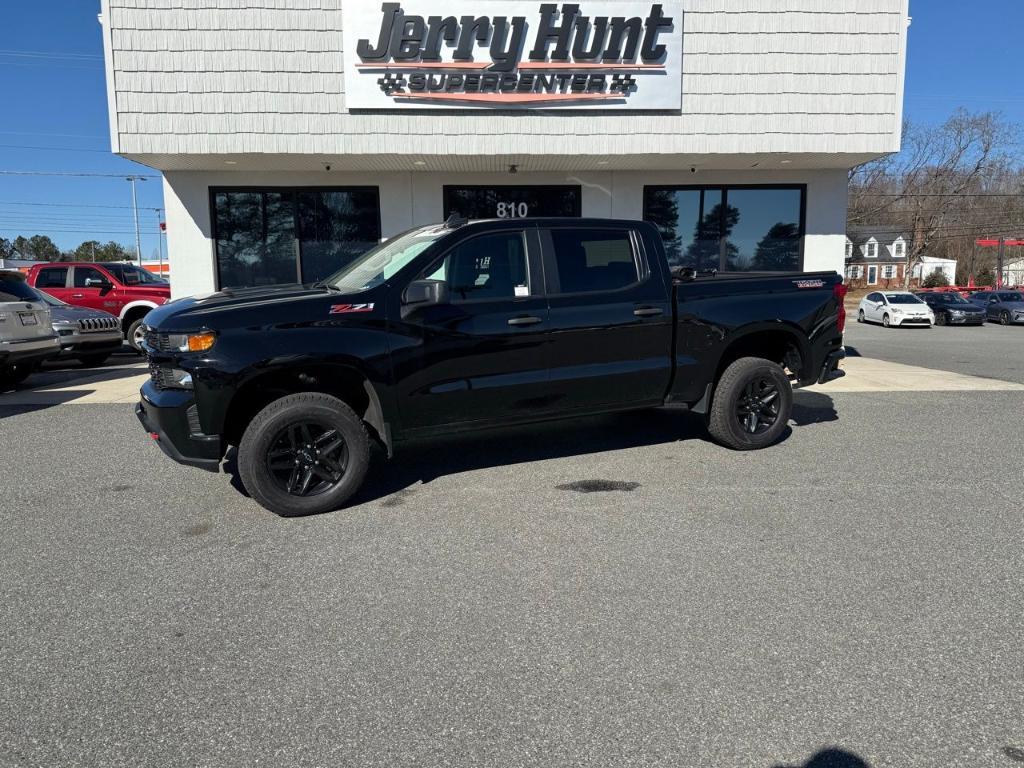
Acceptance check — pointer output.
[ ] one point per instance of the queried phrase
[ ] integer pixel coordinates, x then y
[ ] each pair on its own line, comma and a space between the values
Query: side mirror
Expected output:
95, 282
686, 274
426, 293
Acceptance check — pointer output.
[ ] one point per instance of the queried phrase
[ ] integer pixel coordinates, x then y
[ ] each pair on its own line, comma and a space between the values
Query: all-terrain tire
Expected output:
12, 375
259, 439
724, 423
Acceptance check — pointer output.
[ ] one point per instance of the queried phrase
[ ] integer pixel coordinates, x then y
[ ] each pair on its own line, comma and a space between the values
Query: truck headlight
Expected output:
192, 342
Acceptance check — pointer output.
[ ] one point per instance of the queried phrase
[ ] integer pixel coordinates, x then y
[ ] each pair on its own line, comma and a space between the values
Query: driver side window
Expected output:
82, 274
488, 267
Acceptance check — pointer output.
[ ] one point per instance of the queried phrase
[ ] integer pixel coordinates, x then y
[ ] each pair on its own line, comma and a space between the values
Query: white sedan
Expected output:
895, 308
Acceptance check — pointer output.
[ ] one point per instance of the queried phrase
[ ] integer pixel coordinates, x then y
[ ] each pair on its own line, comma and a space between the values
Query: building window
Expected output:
849, 249
872, 250
888, 272
899, 249
272, 236
731, 229
512, 202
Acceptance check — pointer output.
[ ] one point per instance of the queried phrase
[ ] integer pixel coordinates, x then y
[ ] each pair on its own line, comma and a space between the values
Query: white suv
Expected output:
897, 308
26, 335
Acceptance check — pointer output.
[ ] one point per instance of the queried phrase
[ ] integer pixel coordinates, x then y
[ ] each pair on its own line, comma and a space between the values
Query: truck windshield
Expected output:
902, 298
380, 264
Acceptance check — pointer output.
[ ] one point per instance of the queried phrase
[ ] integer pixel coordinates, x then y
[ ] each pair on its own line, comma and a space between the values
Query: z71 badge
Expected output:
345, 309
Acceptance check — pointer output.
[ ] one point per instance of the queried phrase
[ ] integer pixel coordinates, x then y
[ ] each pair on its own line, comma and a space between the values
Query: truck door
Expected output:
480, 356
610, 316
94, 289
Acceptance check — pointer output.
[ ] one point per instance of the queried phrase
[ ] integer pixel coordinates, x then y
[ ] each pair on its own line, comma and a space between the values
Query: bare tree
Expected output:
933, 188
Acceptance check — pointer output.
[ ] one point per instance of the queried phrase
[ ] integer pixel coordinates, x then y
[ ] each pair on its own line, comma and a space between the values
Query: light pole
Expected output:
160, 239
135, 210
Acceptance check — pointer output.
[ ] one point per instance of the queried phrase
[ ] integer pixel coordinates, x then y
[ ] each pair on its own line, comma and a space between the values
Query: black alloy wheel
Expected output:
307, 458
751, 404
304, 454
757, 409
1004, 318
940, 318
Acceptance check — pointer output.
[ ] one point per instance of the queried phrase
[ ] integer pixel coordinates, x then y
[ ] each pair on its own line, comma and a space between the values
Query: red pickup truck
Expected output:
125, 290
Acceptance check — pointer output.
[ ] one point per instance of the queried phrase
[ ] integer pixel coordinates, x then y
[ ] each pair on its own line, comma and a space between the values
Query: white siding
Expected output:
199, 77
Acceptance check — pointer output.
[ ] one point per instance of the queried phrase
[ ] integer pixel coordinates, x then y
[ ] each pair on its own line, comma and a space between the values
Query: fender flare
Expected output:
794, 332
133, 304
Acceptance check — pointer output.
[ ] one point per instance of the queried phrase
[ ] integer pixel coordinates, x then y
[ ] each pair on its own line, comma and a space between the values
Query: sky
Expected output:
55, 108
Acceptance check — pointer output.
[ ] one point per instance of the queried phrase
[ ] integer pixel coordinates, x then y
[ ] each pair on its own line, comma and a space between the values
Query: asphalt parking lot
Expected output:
614, 591
990, 351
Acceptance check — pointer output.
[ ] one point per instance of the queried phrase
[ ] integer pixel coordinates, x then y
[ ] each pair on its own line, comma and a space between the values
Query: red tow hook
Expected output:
155, 435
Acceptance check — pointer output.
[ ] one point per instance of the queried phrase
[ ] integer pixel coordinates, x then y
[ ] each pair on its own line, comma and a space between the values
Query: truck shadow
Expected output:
832, 758
423, 461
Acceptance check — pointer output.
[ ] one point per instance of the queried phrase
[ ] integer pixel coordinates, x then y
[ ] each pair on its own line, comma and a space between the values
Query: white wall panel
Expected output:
202, 77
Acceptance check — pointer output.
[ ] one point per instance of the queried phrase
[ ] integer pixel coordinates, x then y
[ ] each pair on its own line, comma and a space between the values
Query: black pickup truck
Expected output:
470, 325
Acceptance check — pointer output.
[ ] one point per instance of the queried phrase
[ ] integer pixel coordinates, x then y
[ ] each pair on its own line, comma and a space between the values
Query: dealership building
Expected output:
294, 134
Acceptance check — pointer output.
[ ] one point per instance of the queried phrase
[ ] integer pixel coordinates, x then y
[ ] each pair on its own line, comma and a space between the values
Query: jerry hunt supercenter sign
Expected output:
455, 54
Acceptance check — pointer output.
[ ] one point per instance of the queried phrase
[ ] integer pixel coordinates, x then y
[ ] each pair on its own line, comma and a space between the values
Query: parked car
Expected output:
125, 290
88, 335
1006, 307
476, 325
951, 308
26, 337
895, 308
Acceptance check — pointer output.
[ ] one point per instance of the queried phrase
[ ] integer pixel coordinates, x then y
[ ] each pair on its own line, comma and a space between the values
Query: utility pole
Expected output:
999, 262
135, 211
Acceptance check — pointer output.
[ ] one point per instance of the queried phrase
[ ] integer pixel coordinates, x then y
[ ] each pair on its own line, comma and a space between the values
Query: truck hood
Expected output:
203, 309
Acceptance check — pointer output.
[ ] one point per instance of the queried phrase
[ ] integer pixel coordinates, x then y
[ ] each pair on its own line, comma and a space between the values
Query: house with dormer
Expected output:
877, 256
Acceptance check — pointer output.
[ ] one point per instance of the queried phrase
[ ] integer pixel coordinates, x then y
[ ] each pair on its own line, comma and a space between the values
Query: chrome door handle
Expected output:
648, 311
525, 320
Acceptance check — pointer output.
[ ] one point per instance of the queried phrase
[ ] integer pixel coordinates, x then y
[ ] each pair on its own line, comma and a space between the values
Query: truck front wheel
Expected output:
304, 454
752, 404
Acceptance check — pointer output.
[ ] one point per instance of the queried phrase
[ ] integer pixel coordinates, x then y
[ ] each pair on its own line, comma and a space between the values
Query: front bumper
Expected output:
29, 352
170, 418
978, 319
74, 344
912, 320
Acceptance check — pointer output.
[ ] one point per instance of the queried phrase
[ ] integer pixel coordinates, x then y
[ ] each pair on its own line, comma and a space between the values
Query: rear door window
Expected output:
589, 260
52, 277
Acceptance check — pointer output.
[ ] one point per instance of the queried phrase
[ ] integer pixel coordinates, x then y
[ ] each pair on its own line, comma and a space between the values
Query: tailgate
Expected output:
24, 321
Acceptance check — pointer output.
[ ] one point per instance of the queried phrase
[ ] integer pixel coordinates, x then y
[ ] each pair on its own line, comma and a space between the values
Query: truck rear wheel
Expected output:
304, 454
752, 404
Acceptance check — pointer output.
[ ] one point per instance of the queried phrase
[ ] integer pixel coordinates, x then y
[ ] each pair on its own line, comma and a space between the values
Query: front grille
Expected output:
94, 324
160, 376
158, 342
